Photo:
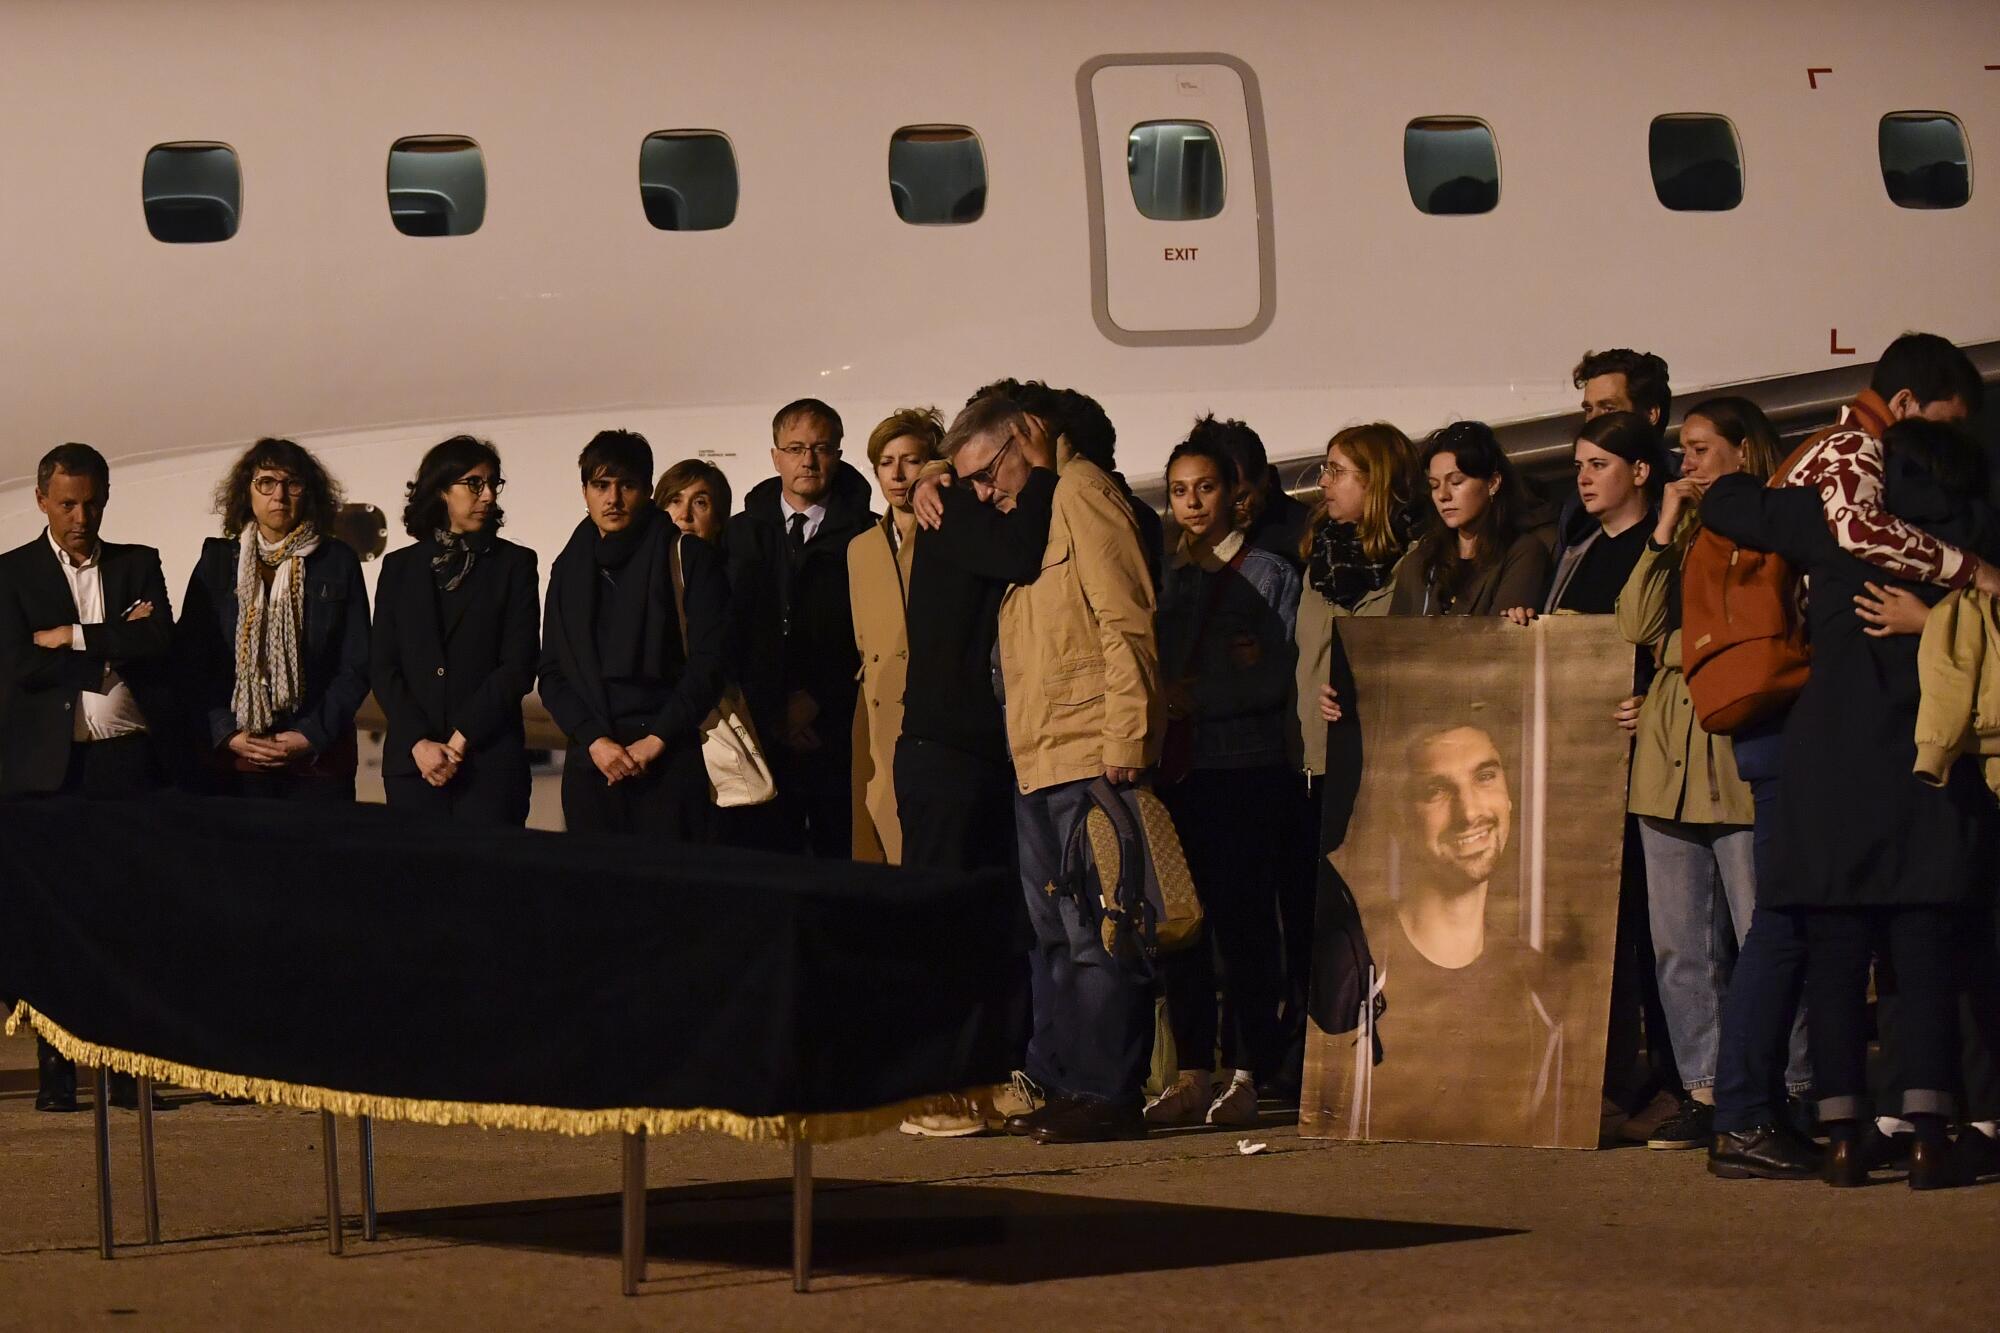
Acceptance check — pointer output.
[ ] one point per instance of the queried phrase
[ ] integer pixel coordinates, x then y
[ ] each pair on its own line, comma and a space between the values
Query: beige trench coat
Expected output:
878, 585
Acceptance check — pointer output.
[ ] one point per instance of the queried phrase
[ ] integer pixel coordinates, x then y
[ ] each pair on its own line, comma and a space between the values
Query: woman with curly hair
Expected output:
457, 632
273, 640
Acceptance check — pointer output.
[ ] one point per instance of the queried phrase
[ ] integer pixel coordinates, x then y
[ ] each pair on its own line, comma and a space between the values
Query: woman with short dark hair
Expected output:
457, 631
273, 639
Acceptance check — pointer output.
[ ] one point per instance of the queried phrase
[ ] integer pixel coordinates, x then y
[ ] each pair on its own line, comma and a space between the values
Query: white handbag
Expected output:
738, 773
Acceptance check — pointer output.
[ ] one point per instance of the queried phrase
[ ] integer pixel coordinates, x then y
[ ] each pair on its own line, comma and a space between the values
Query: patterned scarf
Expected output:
1341, 571
457, 553
268, 679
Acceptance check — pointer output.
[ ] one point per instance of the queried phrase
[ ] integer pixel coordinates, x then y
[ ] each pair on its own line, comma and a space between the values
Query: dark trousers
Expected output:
1092, 1034
1768, 983
496, 791
1298, 894
112, 770
956, 809
1637, 1016
1979, 1010
667, 803
1918, 941
814, 809
284, 786
1237, 874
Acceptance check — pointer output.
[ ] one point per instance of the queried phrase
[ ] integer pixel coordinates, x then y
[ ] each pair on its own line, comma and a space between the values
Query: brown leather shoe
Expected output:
1934, 1165
1846, 1163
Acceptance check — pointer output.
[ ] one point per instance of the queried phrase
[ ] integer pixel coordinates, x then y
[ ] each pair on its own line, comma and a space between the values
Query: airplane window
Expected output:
193, 192
937, 175
1925, 163
363, 527
1176, 170
1452, 165
437, 185
1697, 163
687, 180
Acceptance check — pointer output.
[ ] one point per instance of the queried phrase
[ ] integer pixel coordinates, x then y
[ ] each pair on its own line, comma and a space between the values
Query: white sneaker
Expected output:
1237, 1106
944, 1126
1184, 1102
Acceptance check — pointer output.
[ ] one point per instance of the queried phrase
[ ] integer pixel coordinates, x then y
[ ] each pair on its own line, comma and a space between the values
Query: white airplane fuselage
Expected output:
1318, 297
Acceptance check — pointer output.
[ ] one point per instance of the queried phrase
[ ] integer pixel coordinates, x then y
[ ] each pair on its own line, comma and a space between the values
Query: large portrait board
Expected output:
1483, 858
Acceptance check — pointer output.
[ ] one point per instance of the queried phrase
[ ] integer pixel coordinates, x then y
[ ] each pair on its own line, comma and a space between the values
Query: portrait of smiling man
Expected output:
1482, 860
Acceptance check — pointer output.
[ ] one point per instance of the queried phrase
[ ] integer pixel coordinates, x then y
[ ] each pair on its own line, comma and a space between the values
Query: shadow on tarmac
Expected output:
969, 1233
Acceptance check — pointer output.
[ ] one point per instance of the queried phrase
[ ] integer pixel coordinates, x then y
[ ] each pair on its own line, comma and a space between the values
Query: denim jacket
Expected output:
1240, 674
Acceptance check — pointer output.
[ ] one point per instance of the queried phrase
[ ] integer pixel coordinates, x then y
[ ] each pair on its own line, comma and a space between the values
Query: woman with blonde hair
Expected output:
1362, 525
1696, 816
878, 584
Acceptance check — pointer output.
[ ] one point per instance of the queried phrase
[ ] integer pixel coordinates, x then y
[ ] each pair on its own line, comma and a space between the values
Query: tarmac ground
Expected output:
485, 1229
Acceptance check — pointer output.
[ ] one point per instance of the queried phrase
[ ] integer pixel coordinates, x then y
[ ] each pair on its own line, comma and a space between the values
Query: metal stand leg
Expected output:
100, 1082
367, 1178
149, 1175
330, 1148
802, 1215
634, 1258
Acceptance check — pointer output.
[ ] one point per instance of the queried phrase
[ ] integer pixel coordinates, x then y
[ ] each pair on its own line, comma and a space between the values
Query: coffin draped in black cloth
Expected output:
356, 959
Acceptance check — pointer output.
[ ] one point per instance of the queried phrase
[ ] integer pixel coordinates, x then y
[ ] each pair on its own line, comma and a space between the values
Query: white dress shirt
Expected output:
815, 515
109, 711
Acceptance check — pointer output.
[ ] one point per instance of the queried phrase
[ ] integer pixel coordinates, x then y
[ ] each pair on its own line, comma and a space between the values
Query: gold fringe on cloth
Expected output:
788, 1127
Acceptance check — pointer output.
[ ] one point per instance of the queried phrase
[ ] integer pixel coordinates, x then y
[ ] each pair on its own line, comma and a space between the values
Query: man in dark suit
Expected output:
85, 628
788, 567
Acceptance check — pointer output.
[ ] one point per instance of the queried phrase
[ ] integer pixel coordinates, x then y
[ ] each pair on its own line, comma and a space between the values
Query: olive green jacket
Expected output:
1679, 771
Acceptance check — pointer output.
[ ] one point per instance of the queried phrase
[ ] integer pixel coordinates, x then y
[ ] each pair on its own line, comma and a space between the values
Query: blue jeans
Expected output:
1701, 889
1093, 1024
1761, 1014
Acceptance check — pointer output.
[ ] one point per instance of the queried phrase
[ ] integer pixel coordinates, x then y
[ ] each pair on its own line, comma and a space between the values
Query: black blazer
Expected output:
333, 649
794, 624
570, 678
434, 678
39, 687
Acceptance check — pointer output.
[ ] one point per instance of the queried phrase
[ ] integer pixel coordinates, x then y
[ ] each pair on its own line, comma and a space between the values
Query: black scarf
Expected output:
625, 574
1341, 571
457, 553
615, 550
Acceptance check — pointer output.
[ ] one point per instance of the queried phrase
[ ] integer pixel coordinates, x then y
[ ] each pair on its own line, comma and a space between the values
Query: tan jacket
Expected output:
1958, 666
1077, 652
878, 586
1679, 771
1314, 633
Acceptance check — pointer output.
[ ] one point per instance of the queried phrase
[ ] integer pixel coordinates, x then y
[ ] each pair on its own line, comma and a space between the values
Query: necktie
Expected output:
796, 538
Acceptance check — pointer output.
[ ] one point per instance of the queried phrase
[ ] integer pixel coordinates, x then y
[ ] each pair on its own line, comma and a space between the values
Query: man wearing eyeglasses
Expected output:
796, 658
84, 695
1080, 668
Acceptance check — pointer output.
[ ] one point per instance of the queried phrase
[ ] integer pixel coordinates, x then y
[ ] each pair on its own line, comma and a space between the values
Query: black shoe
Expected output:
1978, 1155
57, 1090
1693, 1126
1885, 1152
1091, 1122
1768, 1152
1934, 1164
125, 1094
